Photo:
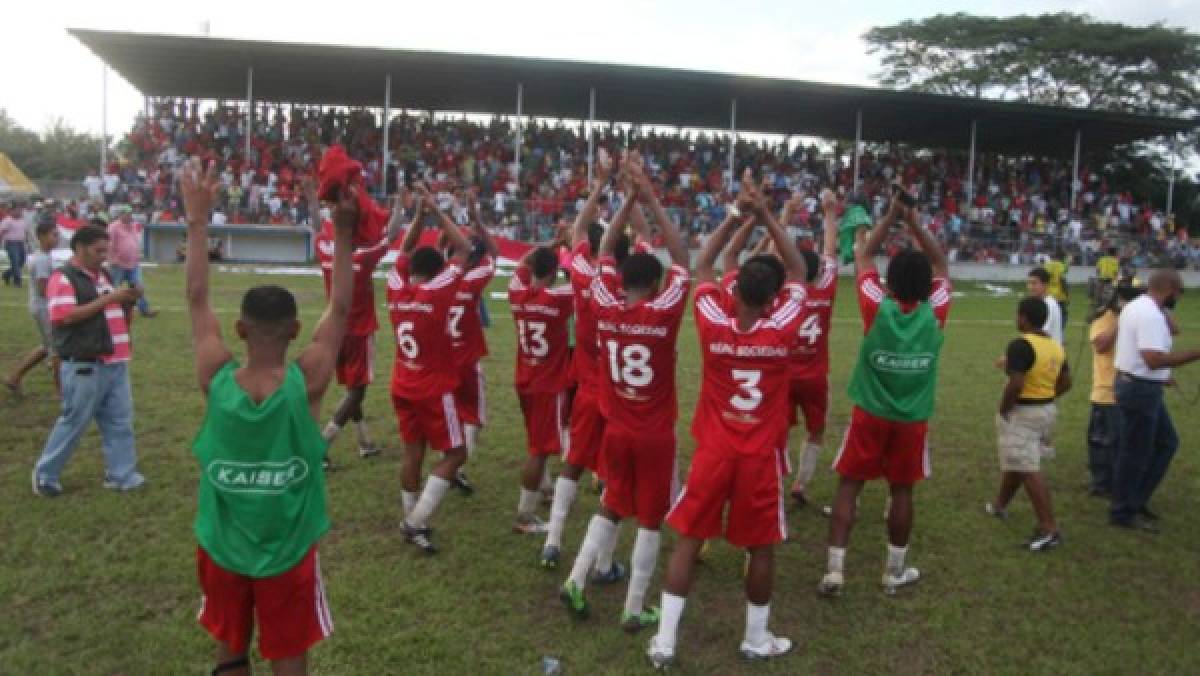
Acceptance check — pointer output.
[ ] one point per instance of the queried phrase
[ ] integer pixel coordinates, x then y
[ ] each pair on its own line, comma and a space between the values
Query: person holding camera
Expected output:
89, 323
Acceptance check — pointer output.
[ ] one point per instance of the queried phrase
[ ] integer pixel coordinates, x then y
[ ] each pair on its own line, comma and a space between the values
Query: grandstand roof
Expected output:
215, 68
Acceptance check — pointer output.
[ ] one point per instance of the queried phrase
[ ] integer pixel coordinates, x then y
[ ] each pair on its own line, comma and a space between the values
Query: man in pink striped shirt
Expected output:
91, 335
125, 255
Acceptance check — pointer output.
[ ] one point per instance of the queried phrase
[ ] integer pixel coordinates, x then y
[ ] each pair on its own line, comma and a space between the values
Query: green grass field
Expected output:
99, 583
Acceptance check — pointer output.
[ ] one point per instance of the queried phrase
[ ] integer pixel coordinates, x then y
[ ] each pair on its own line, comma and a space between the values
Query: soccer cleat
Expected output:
573, 600
660, 658
827, 511
799, 497
462, 483
45, 489
893, 583
613, 575
632, 623
367, 450
134, 482
831, 585
771, 646
327, 464
421, 537
1044, 542
990, 510
550, 557
528, 524
1137, 523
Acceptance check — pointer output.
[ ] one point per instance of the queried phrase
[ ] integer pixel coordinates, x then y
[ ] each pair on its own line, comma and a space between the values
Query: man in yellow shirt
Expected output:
1104, 422
1057, 266
1037, 374
1108, 266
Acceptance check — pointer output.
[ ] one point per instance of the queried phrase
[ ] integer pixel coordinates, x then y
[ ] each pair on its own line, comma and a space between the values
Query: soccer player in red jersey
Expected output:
540, 311
638, 313
739, 425
466, 335
892, 387
356, 359
420, 291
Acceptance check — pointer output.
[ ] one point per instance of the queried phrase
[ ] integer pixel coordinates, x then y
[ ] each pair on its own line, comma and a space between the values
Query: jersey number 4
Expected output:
810, 329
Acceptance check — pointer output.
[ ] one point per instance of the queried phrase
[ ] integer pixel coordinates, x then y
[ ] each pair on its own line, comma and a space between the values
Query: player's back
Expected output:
586, 359
464, 324
424, 365
541, 316
362, 320
810, 355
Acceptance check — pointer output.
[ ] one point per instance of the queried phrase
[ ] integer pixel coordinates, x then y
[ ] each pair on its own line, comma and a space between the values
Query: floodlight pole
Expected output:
971, 169
857, 147
103, 119
732, 143
520, 136
590, 138
387, 113
249, 110
1075, 182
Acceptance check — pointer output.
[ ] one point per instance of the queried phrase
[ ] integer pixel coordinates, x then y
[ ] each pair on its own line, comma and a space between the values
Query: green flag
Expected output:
854, 217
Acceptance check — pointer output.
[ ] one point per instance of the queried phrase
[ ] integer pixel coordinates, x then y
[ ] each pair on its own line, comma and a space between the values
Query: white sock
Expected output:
364, 435
895, 559
756, 622
668, 620
527, 505
645, 555
331, 431
564, 497
807, 466
409, 500
837, 559
471, 432
431, 497
599, 530
604, 557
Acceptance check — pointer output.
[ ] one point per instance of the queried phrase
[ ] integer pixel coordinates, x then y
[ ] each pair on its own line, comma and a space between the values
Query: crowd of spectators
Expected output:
1015, 211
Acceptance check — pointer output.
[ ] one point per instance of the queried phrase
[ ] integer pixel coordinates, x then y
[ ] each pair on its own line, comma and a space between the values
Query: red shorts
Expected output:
811, 397
291, 608
587, 431
639, 470
543, 413
356, 361
752, 487
469, 395
875, 447
433, 420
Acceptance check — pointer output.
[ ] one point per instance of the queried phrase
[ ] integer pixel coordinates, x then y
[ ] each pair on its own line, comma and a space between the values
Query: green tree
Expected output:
59, 152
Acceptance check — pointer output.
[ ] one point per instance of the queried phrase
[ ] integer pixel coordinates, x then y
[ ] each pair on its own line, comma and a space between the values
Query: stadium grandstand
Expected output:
995, 178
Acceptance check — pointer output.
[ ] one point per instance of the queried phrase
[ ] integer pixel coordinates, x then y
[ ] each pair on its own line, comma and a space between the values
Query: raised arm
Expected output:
829, 233
864, 253
413, 234
716, 244
591, 206
309, 185
462, 248
793, 262
489, 243
319, 359
199, 188
608, 243
929, 245
671, 237
729, 259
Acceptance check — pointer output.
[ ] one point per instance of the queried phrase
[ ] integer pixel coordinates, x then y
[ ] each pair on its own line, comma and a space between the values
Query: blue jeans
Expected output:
1148, 442
1103, 439
100, 391
132, 275
16, 261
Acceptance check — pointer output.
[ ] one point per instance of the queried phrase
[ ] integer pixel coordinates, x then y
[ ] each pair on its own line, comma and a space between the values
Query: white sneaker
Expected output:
831, 584
771, 646
660, 658
367, 450
892, 583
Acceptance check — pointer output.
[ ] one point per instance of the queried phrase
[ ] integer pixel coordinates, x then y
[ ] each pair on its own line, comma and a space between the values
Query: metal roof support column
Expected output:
732, 144
1171, 175
971, 169
1075, 182
103, 119
591, 139
387, 114
857, 147
520, 140
249, 110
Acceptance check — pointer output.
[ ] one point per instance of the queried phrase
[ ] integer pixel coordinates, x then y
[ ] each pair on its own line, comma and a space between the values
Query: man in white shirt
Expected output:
1038, 284
1144, 360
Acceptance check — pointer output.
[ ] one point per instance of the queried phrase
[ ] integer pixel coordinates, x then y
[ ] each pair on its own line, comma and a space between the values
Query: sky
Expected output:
47, 74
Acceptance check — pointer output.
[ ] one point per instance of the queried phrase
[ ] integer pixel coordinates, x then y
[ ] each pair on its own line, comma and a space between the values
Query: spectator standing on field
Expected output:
14, 230
40, 267
125, 246
91, 336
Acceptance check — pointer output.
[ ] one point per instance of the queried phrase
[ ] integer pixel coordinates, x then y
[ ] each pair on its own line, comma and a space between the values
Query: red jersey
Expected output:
587, 351
361, 320
871, 293
810, 356
541, 315
465, 326
743, 405
424, 365
637, 344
